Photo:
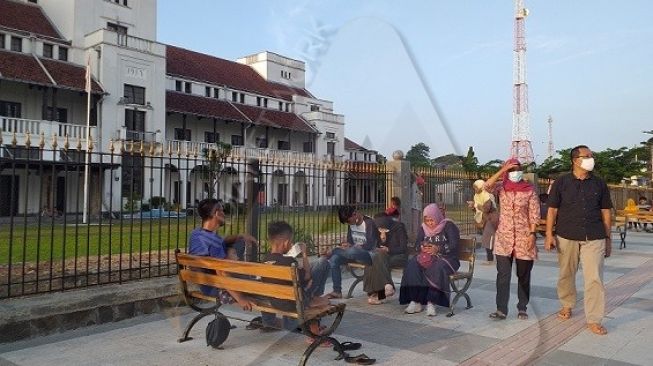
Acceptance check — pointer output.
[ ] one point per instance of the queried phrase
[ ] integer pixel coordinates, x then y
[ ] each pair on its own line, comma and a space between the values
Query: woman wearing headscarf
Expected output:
485, 216
426, 277
515, 236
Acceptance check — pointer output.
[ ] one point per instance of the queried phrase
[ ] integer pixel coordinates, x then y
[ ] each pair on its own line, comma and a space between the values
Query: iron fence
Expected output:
142, 201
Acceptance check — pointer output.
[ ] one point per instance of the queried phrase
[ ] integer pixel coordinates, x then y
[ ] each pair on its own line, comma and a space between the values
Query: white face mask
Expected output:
516, 176
587, 164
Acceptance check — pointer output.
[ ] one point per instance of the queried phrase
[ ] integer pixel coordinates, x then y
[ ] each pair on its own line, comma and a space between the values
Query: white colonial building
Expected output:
153, 96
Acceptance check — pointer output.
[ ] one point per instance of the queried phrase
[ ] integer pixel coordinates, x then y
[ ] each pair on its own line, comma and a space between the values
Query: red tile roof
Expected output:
350, 145
204, 107
216, 108
26, 17
22, 67
69, 76
214, 70
274, 118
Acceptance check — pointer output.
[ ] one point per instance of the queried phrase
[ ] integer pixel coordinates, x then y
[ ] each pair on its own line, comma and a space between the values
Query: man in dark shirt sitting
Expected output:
579, 207
312, 277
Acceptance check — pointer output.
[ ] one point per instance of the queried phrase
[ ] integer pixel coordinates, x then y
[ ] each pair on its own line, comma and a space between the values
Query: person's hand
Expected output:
428, 248
470, 204
245, 303
549, 242
248, 239
345, 245
608, 246
531, 241
302, 246
325, 252
384, 249
507, 167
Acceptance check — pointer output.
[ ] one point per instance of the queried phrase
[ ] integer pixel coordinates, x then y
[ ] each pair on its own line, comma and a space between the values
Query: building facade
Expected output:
146, 95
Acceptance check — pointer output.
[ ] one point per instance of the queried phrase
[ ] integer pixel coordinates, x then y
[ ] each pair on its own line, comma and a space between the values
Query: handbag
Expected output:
217, 331
424, 259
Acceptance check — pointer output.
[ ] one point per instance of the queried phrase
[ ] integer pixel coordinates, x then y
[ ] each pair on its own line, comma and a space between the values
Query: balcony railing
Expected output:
124, 40
144, 136
17, 130
241, 152
324, 116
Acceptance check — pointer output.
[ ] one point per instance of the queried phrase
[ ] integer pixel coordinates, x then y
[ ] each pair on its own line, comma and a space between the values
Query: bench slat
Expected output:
237, 267
283, 292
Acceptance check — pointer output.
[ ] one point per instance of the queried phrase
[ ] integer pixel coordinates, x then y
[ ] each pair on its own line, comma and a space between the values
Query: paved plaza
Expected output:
392, 337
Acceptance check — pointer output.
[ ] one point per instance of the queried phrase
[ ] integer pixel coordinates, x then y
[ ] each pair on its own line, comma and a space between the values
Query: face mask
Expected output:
587, 164
516, 176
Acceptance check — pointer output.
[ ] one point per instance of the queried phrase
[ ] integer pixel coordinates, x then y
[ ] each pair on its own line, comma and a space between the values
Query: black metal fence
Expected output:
141, 205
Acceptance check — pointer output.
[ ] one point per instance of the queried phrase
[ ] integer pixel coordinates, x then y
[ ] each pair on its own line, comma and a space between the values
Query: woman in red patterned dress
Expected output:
515, 237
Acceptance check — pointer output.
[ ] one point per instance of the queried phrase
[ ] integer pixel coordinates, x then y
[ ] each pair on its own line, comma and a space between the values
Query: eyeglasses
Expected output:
585, 156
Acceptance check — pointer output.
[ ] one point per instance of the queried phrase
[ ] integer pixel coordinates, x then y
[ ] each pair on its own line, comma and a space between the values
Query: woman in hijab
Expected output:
485, 216
426, 277
515, 236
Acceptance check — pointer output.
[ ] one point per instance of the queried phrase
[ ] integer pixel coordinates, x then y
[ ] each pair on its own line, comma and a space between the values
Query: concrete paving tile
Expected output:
563, 358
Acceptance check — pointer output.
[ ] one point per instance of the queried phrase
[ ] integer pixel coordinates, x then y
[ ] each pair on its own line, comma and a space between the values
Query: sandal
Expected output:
361, 359
349, 346
498, 315
597, 328
256, 323
522, 315
334, 295
564, 313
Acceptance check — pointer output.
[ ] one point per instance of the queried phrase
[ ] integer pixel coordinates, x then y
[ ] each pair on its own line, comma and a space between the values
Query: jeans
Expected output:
319, 274
340, 256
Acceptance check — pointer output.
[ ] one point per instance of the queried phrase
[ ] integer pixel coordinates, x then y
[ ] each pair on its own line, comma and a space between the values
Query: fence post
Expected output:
252, 188
399, 185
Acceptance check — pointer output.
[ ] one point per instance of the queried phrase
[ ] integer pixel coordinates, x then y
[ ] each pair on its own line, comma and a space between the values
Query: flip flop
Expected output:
597, 328
564, 313
497, 315
522, 315
361, 359
349, 346
256, 323
334, 295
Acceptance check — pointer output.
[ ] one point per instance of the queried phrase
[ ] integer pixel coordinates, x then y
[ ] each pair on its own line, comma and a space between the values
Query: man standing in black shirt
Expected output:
579, 206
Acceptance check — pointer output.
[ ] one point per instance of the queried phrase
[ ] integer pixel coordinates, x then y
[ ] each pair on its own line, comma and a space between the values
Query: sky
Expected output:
440, 72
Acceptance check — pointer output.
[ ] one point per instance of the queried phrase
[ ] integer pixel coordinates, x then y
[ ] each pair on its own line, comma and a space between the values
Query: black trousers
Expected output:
504, 272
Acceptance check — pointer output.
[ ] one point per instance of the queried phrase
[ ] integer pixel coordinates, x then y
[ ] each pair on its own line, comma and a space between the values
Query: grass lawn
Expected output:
55, 241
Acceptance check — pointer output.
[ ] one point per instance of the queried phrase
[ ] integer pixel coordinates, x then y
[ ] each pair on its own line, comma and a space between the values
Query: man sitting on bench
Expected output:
362, 239
204, 241
312, 276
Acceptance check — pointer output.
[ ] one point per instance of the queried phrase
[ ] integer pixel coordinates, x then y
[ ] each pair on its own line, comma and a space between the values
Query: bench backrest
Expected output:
239, 276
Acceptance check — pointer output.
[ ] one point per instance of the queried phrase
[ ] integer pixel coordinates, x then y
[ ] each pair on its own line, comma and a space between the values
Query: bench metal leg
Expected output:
325, 336
192, 323
460, 293
359, 279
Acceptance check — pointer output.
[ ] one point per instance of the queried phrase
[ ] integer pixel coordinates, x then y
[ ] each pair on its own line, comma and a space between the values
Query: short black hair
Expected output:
279, 229
345, 213
575, 152
207, 208
396, 201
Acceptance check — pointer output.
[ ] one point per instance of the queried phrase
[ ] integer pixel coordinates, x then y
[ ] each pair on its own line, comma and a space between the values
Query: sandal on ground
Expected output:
597, 328
334, 295
349, 346
361, 359
498, 315
256, 323
564, 313
522, 315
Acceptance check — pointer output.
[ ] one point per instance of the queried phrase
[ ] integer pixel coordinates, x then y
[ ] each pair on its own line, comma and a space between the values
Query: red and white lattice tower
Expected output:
521, 130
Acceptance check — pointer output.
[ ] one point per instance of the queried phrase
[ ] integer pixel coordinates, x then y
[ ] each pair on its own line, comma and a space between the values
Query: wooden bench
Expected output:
244, 277
466, 253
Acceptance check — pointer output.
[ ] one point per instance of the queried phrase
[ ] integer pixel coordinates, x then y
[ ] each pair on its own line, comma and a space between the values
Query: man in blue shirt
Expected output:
204, 241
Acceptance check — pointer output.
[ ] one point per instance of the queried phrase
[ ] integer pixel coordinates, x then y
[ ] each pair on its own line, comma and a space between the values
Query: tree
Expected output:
449, 161
470, 162
418, 155
490, 167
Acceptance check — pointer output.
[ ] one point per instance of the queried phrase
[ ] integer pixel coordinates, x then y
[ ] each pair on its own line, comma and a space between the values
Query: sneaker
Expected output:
374, 300
430, 310
389, 290
413, 308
